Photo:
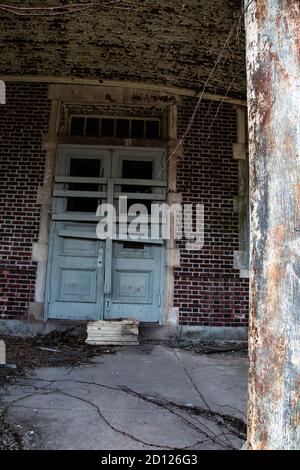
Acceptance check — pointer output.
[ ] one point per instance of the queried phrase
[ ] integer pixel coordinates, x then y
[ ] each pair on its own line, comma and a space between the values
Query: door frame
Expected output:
163, 257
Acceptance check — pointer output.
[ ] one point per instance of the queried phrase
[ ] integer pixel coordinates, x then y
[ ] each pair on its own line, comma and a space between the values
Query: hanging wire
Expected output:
75, 7
125, 4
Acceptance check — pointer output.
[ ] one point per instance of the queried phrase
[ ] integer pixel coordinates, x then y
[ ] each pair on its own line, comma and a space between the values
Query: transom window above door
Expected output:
122, 128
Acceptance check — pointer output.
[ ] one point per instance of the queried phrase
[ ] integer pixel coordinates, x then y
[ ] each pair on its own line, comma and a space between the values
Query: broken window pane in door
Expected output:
83, 168
135, 169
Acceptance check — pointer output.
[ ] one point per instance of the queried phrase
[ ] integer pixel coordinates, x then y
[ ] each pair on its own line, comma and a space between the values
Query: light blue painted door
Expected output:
76, 287
91, 279
137, 283
76, 257
137, 266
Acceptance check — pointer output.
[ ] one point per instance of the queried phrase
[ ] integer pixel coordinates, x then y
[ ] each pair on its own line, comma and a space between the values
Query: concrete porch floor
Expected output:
133, 400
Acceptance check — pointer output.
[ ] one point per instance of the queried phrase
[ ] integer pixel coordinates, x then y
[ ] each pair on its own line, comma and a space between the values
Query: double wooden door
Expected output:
89, 278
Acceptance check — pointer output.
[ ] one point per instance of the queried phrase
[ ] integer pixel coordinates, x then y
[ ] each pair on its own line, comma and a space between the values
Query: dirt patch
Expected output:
66, 348
10, 438
16, 436
238, 348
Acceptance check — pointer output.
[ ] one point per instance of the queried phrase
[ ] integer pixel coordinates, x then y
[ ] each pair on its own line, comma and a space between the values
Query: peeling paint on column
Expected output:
273, 70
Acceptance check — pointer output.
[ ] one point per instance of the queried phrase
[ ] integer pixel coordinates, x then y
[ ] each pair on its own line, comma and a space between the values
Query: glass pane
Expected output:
152, 130
133, 246
137, 129
122, 129
92, 127
82, 204
83, 168
107, 127
77, 126
135, 169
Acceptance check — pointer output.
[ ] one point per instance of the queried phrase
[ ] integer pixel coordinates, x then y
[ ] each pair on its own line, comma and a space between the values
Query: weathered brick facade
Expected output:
23, 121
208, 290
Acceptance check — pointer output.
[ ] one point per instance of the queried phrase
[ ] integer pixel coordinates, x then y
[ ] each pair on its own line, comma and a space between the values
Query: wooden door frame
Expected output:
59, 162
135, 95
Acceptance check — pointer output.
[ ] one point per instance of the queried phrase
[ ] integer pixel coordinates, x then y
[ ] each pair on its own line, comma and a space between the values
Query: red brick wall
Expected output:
23, 121
208, 290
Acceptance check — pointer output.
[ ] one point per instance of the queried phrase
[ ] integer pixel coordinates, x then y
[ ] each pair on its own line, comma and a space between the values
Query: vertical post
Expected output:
44, 197
109, 242
2, 353
273, 72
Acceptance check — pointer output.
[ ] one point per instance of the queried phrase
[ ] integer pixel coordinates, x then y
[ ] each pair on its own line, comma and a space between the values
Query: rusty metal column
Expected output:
273, 70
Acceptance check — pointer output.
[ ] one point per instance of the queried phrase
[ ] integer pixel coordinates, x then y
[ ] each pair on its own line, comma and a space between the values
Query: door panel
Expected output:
81, 267
133, 286
76, 285
75, 275
137, 284
137, 267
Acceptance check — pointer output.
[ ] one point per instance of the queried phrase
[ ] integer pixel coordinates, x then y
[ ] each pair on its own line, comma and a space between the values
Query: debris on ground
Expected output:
10, 438
16, 436
67, 348
64, 348
232, 424
239, 348
7, 369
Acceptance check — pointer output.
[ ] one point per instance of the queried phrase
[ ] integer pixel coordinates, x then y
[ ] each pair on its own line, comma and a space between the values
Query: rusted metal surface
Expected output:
273, 69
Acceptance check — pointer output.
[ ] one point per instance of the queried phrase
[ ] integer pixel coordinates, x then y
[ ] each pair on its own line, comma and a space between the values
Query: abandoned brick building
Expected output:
106, 101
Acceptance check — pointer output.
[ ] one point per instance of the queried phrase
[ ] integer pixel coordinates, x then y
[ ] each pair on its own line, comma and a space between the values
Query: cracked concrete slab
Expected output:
143, 397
